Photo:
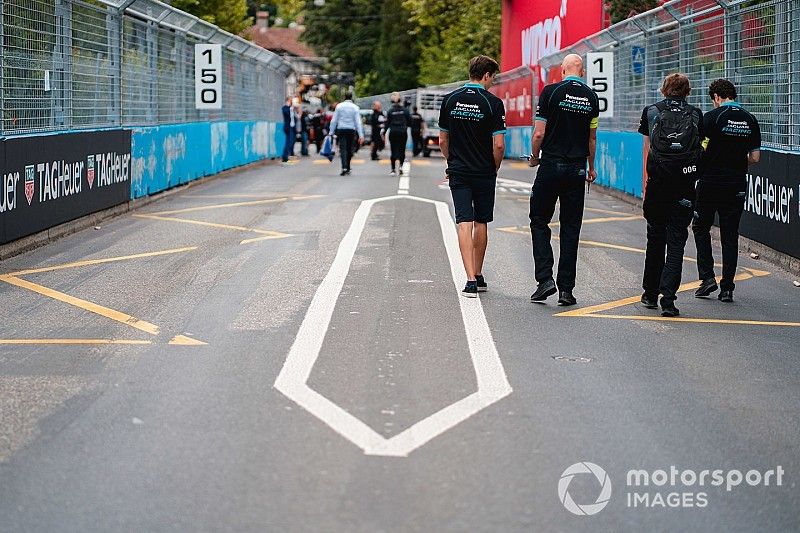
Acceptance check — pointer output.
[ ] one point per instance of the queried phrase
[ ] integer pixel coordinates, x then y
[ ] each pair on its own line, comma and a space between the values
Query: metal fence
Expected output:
753, 43
75, 64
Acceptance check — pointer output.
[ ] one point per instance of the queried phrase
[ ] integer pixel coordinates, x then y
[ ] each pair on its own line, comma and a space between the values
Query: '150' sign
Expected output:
600, 77
208, 76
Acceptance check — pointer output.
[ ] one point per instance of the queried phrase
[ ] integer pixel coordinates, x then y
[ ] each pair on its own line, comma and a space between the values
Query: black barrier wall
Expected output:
772, 210
51, 179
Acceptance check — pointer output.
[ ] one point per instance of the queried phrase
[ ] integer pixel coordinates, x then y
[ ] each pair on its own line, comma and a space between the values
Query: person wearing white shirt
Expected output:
347, 127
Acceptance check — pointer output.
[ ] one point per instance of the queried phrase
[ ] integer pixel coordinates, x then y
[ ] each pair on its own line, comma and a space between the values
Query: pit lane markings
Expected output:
118, 316
490, 375
404, 183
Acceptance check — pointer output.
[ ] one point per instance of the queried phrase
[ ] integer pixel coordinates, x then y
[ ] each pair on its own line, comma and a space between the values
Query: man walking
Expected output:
472, 127
673, 131
417, 129
733, 140
288, 129
346, 125
397, 122
566, 134
377, 122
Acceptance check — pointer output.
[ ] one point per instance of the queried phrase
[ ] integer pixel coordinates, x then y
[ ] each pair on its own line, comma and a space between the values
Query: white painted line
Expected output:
491, 377
404, 184
505, 182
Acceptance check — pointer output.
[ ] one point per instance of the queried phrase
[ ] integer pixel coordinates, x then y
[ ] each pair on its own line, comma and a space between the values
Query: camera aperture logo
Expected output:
664, 488
589, 508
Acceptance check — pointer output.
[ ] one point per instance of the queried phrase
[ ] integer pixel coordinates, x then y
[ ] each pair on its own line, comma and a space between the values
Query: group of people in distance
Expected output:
696, 169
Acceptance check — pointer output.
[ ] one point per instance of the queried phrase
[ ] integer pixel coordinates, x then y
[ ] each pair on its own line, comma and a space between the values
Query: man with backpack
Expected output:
673, 132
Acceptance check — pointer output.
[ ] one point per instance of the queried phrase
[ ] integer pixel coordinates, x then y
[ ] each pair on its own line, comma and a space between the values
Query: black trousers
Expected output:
416, 140
377, 143
397, 141
562, 181
347, 146
729, 205
667, 233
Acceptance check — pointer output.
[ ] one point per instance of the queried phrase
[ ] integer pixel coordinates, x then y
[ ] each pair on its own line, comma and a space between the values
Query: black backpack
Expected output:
675, 144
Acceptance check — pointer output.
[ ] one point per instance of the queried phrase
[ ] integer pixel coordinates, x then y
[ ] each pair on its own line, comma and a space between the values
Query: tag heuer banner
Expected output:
51, 179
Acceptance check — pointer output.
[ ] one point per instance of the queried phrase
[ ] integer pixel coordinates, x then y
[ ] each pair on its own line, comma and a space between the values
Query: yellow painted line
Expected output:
699, 320
605, 211
71, 341
257, 196
275, 235
183, 340
421, 162
519, 165
118, 316
593, 309
221, 206
90, 262
603, 219
267, 233
322, 162
357, 161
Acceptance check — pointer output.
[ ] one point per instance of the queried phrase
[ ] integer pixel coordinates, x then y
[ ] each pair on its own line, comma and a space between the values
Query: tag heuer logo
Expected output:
29, 183
90, 170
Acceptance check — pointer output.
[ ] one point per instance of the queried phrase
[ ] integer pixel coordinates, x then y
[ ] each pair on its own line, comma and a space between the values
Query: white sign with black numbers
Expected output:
600, 77
208, 76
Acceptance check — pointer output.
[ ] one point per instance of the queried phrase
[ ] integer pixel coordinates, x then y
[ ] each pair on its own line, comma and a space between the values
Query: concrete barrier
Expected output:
170, 155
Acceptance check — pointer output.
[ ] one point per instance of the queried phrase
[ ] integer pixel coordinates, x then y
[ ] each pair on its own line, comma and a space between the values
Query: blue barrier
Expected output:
620, 161
518, 141
170, 155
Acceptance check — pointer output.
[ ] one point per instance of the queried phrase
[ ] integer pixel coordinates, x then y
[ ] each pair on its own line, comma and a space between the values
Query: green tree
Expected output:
450, 32
621, 9
230, 15
397, 53
347, 32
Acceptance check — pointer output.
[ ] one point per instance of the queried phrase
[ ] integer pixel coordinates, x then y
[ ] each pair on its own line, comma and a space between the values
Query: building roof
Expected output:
281, 41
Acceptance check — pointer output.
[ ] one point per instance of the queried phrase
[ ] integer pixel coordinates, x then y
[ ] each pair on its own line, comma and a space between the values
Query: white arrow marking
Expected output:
490, 375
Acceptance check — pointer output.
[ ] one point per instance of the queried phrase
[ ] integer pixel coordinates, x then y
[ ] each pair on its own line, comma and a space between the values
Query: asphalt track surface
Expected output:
285, 349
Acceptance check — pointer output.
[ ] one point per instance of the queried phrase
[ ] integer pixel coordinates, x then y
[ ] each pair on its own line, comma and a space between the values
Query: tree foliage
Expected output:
621, 9
450, 32
230, 15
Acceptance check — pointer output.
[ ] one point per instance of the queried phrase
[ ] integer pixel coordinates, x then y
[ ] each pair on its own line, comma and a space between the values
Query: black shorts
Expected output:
473, 198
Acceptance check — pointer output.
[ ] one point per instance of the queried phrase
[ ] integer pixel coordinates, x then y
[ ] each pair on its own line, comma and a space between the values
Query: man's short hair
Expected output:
676, 86
723, 89
348, 95
480, 66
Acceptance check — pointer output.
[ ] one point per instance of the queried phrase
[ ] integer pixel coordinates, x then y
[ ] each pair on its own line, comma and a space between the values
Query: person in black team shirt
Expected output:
733, 140
397, 123
417, 128
673, 132
566, 134
377, 121
472, 126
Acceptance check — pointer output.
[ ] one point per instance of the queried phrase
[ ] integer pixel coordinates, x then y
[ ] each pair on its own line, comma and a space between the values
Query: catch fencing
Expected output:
753, 43
83, 64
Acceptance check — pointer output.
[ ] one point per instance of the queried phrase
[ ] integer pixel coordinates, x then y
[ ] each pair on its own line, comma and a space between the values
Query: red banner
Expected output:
535, 29
517, 95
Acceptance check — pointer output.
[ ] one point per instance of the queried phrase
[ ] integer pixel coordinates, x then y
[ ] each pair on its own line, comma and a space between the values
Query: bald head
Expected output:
572, 65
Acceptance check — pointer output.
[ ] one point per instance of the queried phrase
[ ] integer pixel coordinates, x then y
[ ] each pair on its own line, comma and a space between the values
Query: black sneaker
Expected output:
470, 290
482, 287
544, 290
706, 288
725, 296
566, 298
669, 311
400, 171
343, 173
650, 302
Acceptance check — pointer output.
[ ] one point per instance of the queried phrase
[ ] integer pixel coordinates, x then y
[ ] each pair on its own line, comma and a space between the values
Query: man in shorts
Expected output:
472, 139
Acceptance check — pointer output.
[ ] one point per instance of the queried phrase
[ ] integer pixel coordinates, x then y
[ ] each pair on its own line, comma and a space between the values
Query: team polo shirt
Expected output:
472, 116
570, 109
731, 134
